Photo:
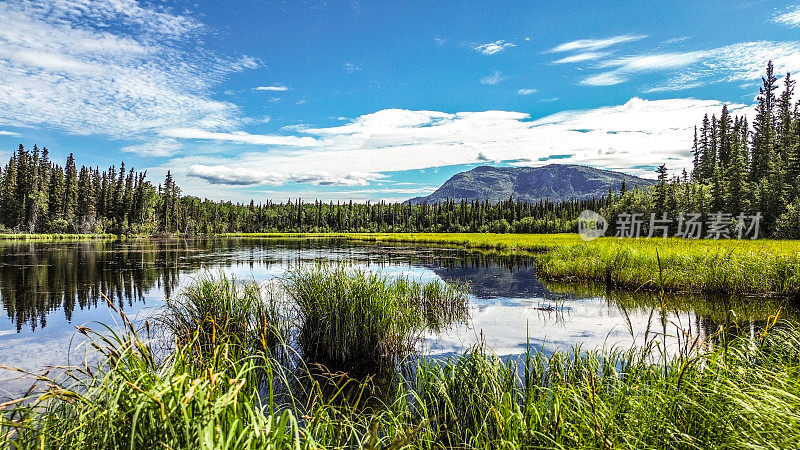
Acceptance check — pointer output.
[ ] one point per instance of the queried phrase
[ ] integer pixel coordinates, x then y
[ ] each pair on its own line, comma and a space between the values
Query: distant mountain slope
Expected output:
556, 182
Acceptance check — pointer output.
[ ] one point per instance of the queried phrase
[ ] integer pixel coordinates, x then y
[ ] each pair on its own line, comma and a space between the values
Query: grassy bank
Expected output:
742, 393
760, 267
54, 236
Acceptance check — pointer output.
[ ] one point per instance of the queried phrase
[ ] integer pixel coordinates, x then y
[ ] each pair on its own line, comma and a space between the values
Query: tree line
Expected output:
40, 196
738, 168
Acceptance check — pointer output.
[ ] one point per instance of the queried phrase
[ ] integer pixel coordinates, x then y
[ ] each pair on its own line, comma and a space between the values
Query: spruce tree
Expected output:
70, 189
764, 126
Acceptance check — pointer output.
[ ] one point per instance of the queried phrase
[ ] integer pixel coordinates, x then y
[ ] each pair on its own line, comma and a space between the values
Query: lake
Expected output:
49, 288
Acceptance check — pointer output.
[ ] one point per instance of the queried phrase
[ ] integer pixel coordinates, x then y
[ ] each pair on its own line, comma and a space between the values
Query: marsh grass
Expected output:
246, 317
363, 321
746, 397
751, 267
743, 394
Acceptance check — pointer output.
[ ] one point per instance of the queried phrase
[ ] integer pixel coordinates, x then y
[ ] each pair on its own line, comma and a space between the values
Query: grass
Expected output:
351, 319
215, 311
713, 308
55, 236
747, 267
744, 394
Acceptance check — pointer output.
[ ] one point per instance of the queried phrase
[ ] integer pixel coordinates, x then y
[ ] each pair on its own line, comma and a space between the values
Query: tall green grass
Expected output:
744, 394
133, 399
219, 310
356, 320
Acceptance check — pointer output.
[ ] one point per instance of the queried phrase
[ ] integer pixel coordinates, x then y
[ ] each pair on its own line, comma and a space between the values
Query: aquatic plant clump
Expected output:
351, 319
219, 310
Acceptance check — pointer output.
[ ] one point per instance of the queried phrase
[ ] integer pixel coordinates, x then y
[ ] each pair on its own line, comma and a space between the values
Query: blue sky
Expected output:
376, 100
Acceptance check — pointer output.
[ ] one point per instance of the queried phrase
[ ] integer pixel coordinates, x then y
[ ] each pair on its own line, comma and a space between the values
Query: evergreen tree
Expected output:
70, 190
764, 126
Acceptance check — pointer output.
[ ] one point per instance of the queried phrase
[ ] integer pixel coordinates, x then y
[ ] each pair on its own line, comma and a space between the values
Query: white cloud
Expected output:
629, 137
158, 147
273, 88
494, 78
239, 137
244, 176
580, 57
596, 44
790, 18
604, 79
62, 67
679, 82
737, 62
626, 66
352, 67
527, 91
8, 133
494, 47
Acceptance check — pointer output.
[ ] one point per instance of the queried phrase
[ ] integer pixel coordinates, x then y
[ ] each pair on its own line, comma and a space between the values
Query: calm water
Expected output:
47, 289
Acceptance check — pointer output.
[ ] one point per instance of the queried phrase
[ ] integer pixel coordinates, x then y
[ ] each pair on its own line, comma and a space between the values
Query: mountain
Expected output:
556, 182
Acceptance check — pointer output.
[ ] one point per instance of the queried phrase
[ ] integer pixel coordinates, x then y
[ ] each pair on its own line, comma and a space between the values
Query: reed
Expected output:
362, 321
213, 311
129, 400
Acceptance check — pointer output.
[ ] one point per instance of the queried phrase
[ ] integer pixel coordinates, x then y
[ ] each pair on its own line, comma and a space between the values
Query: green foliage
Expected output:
788, 226
216, 311
756, 267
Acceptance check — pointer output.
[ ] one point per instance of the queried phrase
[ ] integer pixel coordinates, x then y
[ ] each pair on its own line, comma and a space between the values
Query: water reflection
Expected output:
47, 288
38, 279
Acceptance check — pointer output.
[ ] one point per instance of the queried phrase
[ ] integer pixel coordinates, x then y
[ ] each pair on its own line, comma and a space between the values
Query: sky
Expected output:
341, 100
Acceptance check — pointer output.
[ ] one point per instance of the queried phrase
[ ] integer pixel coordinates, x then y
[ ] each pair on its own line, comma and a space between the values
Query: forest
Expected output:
740, 167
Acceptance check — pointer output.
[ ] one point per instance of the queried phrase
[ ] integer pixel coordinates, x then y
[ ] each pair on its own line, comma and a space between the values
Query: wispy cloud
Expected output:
596, 44
494, 47
790, 17
605, 79
8, 133
624, 67
527, 91
580, 57
245, 177
156, 147
352, 67
494, 78
273, 88
67, 70
737, 62
239, 137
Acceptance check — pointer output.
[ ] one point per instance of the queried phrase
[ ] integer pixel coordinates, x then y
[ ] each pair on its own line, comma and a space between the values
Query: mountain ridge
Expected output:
556, 182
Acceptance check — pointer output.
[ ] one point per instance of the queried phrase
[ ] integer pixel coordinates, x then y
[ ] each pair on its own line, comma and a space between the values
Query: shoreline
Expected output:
752, 268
